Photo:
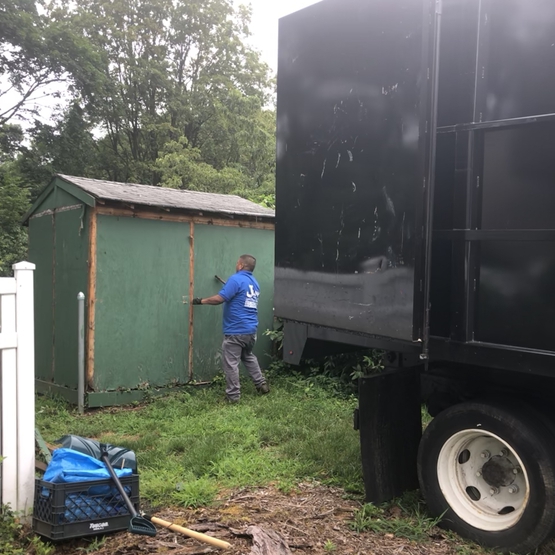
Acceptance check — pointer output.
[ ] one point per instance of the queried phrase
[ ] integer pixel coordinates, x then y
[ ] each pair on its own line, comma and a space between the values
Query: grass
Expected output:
405, 517
189, 445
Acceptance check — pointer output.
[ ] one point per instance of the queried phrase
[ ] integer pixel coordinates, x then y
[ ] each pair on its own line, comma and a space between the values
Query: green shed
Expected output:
140, 254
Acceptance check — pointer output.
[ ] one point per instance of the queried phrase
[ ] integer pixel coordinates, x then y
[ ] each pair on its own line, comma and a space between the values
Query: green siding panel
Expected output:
49, 202
58, 198
71, 277
216, 252
63, 198
75, 191
141, 323
41, 241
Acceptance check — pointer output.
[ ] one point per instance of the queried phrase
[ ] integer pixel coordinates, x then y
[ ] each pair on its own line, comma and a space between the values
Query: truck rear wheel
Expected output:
490, 471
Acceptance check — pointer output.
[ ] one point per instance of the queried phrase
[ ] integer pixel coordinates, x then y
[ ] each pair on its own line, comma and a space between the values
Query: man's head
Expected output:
246, 262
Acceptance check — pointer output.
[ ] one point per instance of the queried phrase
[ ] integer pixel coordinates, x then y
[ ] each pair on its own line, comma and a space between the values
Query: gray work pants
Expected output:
234, 349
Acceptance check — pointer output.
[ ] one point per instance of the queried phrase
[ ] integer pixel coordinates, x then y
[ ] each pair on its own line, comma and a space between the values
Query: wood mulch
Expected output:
312, 520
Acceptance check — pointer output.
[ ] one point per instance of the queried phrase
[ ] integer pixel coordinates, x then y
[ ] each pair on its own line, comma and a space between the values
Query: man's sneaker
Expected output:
263, 388
231, 401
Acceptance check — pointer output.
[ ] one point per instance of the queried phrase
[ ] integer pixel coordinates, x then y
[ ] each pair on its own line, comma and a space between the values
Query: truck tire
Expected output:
489, 471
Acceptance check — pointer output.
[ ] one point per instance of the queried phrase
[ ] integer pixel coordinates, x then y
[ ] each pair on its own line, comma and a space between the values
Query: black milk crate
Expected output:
70, 510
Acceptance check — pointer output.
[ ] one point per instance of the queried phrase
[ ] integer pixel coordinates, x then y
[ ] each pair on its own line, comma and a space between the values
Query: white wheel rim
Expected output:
483, 480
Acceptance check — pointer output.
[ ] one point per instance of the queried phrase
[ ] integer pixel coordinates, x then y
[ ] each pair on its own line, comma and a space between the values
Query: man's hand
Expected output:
197, 300
215, 299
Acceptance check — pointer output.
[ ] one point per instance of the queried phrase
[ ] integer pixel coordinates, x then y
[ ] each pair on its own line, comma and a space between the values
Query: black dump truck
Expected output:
416, 214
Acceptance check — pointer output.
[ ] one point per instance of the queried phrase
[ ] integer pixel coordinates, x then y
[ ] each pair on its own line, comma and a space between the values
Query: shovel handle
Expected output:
191, 533
128, 502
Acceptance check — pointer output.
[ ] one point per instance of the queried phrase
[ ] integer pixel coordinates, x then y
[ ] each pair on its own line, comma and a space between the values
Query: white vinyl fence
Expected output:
17, 383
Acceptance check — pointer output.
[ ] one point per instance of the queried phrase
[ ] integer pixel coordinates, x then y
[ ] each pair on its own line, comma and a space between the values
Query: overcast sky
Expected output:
264, 26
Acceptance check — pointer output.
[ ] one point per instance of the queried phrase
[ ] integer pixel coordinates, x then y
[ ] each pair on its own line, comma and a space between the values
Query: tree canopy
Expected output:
160, 92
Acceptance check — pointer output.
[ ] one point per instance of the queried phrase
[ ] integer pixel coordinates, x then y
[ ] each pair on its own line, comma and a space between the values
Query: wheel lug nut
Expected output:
516, 470
478, 474
503, 453
494, 491
513, 489
485, 454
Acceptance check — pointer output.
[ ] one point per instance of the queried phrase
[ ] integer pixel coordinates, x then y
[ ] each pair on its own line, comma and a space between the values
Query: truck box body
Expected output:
379, 217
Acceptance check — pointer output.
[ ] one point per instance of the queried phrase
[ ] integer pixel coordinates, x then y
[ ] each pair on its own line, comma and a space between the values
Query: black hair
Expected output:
249, 262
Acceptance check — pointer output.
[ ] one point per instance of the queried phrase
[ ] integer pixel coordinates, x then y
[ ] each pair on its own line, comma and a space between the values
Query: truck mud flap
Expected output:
390, 425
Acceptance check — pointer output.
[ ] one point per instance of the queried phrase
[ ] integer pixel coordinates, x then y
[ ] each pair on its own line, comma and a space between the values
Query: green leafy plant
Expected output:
15, 538
36, 546
405, 517
338, 373
10, 532
94, 545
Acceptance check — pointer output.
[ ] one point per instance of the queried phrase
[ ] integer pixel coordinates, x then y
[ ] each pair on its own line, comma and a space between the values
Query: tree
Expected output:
170, 68
11, 137
14, 202
36, 53
181, 167
66, 147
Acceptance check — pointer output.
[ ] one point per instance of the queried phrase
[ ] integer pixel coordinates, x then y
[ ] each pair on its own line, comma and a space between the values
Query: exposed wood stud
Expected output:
207, 220
191, 294
91, 298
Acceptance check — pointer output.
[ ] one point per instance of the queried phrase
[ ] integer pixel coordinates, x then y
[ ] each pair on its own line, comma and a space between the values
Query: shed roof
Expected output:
164, 197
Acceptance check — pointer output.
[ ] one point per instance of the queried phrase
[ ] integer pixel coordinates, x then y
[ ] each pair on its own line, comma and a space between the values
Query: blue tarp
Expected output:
71, 466
88, 503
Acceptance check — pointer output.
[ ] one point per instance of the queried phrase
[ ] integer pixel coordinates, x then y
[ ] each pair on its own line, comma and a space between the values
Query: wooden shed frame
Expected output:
101, 199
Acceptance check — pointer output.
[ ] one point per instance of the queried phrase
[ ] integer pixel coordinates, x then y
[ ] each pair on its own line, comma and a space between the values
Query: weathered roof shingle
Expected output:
163, 197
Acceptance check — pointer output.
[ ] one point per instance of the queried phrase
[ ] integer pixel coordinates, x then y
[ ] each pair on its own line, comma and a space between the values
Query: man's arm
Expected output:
215, 299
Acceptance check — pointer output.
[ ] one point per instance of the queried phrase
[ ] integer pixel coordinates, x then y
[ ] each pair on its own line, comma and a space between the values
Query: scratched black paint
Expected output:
349, 165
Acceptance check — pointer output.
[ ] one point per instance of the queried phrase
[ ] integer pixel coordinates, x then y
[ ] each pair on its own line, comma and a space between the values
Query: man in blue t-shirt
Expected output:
240, 295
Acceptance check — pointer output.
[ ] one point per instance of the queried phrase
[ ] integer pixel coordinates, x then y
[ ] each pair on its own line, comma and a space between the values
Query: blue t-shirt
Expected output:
240, 294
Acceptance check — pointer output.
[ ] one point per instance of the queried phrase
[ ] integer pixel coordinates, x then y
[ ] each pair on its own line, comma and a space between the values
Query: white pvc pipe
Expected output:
81, 354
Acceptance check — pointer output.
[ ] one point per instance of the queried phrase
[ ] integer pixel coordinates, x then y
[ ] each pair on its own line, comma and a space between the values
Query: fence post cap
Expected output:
23, 266
80, 296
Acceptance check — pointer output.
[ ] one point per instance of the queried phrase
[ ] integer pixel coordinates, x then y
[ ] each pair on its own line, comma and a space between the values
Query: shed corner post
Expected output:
91, 298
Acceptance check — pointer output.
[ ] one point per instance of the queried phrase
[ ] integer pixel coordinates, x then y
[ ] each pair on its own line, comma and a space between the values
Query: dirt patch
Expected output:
314, 520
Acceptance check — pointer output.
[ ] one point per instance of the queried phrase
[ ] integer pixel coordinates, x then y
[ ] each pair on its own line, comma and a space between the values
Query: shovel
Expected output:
137, 523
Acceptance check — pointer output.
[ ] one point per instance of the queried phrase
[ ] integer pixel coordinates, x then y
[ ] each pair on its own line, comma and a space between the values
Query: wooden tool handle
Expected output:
191, 533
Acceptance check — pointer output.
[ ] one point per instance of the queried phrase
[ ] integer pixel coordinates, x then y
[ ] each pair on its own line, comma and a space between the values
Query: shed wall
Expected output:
70, 279
41, 244
58, 244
